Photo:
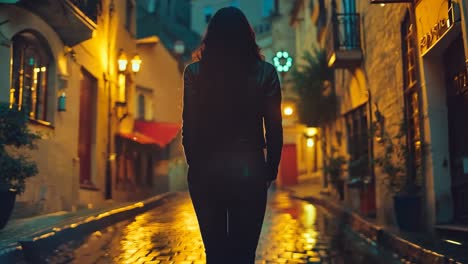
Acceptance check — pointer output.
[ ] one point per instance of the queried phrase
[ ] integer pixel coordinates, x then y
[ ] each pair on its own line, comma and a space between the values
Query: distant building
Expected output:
166, 43
258, 12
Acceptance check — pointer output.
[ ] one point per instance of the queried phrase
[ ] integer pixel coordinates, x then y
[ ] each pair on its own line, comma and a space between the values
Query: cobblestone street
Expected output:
293, 232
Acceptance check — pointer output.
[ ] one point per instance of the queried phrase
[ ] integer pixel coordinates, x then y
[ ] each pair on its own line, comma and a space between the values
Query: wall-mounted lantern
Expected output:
310, 133
122, 61
136, 63
121, 110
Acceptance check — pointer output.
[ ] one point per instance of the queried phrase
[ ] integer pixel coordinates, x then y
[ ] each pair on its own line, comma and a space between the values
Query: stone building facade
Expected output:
392, 74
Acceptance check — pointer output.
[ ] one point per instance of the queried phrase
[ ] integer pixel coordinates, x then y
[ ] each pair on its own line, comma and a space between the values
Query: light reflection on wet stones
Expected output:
293, 232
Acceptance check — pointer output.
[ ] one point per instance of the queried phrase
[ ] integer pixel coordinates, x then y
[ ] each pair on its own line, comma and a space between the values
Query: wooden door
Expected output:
86, 125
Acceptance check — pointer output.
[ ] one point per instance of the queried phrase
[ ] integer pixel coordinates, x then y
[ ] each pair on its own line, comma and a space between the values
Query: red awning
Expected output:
139, 138
161, 133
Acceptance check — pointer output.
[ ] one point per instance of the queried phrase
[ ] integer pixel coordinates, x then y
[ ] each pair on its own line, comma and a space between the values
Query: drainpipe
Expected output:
108, 179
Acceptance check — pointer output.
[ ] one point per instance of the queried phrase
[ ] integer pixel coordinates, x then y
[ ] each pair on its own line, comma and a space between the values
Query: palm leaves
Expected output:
312, 81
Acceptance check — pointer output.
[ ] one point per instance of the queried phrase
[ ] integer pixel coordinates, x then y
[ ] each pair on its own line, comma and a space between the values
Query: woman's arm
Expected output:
188, 115
273, 122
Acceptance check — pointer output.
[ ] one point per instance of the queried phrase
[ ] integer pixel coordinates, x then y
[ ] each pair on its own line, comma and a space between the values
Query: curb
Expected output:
36, 249
407, 251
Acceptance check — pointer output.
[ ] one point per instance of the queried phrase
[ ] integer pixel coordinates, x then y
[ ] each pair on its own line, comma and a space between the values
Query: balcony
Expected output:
344, 41
73, 20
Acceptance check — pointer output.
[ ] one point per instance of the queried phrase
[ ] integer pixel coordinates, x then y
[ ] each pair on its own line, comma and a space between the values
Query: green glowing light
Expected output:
282, 61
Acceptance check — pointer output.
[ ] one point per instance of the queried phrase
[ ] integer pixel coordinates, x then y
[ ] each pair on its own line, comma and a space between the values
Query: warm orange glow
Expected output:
288, 111
311, 131
332, 60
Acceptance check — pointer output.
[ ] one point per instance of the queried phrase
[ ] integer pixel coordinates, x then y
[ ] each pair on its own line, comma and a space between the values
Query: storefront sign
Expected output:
429, 38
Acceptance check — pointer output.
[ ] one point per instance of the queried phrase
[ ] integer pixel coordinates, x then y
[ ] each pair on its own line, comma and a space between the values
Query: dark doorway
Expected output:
457, 105
86, 126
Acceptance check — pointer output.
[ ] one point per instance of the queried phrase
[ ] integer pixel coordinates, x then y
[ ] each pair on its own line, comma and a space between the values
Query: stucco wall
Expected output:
160, 73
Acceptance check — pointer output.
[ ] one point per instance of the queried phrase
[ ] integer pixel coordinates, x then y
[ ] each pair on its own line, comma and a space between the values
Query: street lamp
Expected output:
282, 61
288, 111
122, 61
136, 63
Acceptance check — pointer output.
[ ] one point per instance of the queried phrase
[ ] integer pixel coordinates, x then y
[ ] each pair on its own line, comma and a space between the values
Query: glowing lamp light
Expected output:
310, 142
122, 61
311, 131
288, 111
282, 61
136, 63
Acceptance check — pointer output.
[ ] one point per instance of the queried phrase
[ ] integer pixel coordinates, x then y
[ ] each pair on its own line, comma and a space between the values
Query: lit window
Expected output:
31, 61
358, 142
411, 95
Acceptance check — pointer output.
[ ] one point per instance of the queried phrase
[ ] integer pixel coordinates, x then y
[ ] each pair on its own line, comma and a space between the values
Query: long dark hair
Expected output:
227, 56
229, 43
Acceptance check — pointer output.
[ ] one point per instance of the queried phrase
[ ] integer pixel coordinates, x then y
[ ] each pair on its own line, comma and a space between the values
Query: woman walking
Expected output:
232, 112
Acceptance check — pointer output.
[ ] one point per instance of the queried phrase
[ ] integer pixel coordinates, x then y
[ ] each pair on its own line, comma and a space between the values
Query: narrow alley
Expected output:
294, 231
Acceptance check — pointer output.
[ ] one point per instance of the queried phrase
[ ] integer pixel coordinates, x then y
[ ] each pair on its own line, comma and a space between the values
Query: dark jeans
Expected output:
229, 192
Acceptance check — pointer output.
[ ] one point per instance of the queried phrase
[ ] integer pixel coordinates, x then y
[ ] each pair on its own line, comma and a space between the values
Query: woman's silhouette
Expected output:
232, 112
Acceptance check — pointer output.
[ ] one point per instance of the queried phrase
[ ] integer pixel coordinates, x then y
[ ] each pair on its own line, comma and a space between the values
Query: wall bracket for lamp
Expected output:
121, 110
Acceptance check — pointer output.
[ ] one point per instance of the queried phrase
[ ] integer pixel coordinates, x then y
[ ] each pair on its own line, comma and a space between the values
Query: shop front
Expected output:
445, 92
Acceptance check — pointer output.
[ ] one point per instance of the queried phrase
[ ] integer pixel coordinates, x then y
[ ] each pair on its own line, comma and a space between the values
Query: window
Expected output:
207, 12
411, 95
129, 17
358, 142
30, 73
141, 106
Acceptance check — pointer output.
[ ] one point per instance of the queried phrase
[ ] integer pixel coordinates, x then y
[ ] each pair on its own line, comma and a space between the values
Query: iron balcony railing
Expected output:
346, 31
89, 7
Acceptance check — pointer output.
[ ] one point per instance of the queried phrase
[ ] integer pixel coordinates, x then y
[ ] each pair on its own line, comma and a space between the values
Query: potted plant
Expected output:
15, 168
333, 168
402, 183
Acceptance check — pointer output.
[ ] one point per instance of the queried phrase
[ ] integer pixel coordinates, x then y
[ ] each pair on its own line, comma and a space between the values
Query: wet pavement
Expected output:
294, 231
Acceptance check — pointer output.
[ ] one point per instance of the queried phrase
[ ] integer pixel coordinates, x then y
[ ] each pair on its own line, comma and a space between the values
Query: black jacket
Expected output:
251, 121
